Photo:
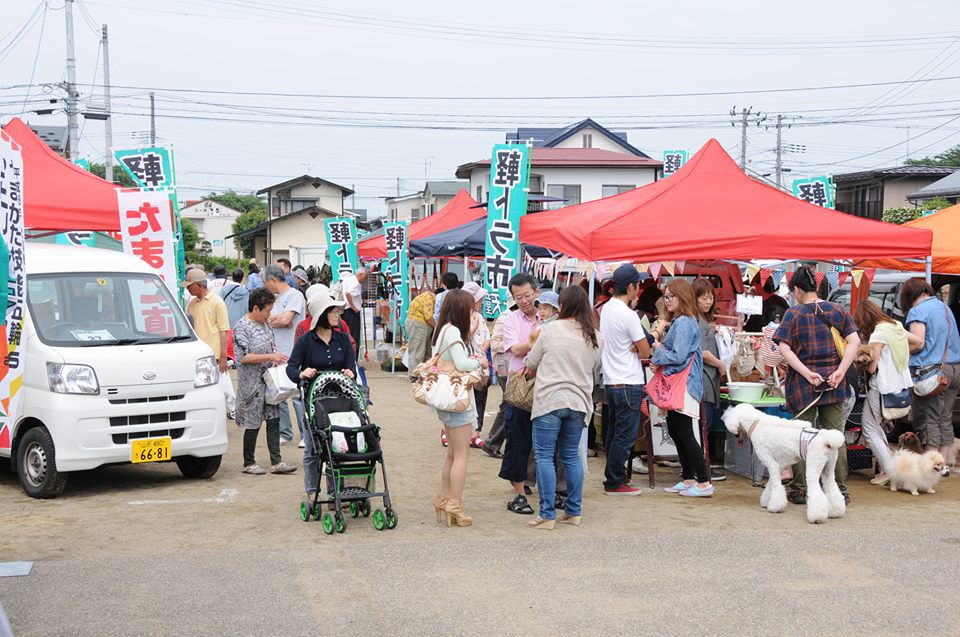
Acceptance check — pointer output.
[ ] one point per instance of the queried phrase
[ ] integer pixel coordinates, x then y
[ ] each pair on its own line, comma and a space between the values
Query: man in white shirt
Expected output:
625, 343
352, 286
288, 310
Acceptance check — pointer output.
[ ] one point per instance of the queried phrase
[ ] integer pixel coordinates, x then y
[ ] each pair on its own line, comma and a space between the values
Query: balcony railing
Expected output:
867, 209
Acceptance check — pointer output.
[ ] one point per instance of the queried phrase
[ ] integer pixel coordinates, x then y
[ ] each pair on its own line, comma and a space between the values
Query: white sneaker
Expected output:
639, 467
300, 444
285, 441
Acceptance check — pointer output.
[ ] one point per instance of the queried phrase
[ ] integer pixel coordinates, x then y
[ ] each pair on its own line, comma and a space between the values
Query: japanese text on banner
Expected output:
146, 224
13, 284
816, 190
507, 203
151, 168
341, 246
395, 235
673, 160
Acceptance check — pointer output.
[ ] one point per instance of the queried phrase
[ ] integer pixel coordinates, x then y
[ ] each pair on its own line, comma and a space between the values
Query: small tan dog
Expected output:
910, 442
915, 472
863, 360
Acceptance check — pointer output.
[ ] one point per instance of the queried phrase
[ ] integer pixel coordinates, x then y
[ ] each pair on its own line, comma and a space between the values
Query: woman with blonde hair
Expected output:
680, 349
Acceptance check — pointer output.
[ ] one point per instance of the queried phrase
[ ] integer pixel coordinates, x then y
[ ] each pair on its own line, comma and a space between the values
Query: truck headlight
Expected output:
65, 378
208, 373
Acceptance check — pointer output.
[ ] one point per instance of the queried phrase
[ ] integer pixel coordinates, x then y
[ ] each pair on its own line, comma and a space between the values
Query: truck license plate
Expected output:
150, 449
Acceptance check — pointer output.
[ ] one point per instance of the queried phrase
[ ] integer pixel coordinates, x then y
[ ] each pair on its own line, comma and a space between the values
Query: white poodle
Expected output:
779, 443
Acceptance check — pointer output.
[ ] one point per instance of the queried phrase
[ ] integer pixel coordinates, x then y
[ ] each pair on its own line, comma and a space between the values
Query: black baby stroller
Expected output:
348, 445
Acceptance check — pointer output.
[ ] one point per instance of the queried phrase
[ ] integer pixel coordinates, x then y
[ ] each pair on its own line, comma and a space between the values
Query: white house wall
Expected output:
327, 197
214, 222
590, 180
599, 140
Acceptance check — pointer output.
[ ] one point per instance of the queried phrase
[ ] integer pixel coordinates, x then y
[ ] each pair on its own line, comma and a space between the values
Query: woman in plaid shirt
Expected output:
816, 385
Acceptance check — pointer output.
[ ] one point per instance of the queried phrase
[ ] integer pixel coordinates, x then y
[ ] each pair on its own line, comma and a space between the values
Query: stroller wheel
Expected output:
328, 523
317, 511
365, 508
341, 522
354, 509
391, 519
379, 520
305, 511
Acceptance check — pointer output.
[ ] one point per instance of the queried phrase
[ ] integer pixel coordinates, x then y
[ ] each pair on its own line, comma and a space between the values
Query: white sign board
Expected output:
146, 225
14, 280
749, 304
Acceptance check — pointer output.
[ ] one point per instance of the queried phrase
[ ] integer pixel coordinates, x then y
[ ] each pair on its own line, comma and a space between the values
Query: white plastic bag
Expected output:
279, 386
226, 386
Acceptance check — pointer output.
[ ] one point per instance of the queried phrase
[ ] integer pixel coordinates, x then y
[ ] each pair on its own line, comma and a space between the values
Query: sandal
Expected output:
283, 467
797, 497
476, 442
254, 470
520, 505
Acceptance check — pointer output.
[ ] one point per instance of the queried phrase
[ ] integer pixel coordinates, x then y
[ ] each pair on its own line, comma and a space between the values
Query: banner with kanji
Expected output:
150, 168
816, 190
13, 285
673, 160
341, 246
395, 235
506, 204
146, 225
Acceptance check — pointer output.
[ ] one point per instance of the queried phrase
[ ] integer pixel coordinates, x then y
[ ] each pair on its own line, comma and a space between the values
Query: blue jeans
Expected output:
620, 432
559, 429
286, 427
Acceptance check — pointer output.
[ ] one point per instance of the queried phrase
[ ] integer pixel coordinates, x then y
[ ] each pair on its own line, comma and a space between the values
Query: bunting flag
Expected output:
680, 265
777, 277
765, 275
842, 278
857, 275
833, 277
819, 279
870, 273
655, 270
752, 271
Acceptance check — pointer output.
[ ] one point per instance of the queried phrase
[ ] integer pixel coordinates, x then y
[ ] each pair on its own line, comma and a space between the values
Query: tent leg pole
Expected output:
592, 291
929, 268
466, 269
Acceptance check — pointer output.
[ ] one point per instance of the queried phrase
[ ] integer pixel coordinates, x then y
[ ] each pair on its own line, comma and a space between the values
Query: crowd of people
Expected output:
584, 358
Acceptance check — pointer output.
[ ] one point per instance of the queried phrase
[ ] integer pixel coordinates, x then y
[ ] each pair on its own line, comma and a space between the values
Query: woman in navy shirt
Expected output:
322, 349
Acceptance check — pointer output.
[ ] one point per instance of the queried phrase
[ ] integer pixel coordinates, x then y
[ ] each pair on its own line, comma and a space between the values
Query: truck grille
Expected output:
152, 399
170, 418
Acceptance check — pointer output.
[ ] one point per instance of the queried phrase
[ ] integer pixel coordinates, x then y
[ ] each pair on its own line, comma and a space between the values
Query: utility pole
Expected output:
72, 110
779, 151
743, 138
398, 186
153, 122
108, 123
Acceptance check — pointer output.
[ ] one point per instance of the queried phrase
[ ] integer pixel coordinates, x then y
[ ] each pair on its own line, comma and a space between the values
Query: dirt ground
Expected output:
135, 509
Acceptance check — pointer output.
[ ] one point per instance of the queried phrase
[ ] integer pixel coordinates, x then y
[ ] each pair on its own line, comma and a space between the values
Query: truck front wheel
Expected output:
198, 468
37, 465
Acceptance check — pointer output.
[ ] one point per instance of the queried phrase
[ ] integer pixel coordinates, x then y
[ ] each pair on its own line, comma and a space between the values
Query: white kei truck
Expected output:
113, 373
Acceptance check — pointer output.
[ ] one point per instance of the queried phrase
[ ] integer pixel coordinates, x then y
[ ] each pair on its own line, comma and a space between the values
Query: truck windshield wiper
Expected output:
121, 341
174, 339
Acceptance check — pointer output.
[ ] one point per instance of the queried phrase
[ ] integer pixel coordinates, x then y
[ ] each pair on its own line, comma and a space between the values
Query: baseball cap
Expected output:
474, 290
195, 275
548, 297
626, 274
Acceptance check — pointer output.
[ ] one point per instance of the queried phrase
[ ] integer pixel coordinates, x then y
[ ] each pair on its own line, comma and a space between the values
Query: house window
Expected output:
570, 194
293, 205
479, 196
536, 183
607, 191
414, 214
588, 140
275, 207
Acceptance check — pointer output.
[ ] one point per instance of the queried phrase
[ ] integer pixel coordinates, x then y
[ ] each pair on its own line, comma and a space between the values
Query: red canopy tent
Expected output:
59, 195
711, 210
460, 210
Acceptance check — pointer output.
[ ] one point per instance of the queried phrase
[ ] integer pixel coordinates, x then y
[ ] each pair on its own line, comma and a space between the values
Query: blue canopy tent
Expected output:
469, 240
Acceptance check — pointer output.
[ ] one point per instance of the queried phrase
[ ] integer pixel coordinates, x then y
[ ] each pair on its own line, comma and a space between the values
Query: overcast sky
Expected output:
366, 53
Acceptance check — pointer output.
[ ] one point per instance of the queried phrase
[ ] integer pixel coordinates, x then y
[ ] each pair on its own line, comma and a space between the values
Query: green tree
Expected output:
120, 176
949, 157
246, 221
904, 215
191, 236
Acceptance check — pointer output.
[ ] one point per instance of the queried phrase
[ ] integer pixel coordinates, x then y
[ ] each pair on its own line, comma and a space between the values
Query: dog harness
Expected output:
806, 435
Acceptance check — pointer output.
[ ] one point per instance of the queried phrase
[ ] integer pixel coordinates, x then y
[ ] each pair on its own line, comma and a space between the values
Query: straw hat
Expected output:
315, 289
474, 290
318, 305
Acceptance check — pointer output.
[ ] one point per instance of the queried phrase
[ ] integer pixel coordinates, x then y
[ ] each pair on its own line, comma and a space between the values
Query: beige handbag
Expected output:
441, 385
519, 391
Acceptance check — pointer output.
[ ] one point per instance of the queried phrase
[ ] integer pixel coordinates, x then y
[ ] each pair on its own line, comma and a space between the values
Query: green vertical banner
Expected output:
816, 190
395, 235
673, 160
341, 246
507, 203
151, 168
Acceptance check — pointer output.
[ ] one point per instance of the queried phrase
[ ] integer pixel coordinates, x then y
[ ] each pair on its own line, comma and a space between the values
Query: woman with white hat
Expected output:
322, 349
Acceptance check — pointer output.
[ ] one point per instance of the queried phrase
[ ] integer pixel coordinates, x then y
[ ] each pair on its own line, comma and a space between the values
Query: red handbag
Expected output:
668, 392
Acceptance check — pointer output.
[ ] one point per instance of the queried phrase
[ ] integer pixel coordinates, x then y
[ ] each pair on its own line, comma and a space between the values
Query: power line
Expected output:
36, 57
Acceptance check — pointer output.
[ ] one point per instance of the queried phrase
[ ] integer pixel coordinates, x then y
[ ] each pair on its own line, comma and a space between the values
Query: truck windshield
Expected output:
90, 310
